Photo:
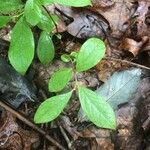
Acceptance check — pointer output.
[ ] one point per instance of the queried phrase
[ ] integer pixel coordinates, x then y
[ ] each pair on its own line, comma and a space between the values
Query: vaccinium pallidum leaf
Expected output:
60, 79
4, 20
45, 2
7, 6
51, 108
97, 109
74, 3
21, 50
45, 48
65, 58
46, 23
32, 12
91, 52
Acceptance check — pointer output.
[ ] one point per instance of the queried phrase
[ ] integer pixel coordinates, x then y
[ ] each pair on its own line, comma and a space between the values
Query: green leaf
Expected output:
4, 20
120, 87
32, 12
7, 6
75, 3
74, 55
91, 52
51, 108
97, 109
46, 22
46, 2
65, 58
45, 48
60, 79
59, 36
21, 51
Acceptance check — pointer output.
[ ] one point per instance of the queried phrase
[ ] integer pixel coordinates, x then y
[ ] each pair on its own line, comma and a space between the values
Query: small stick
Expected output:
65, 136
127, 62
30, 124
50, 17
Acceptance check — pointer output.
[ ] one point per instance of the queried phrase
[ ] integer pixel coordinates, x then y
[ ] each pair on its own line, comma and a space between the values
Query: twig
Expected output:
65, 136
63, 14
50, 17
127, 62
30, 124
75, 36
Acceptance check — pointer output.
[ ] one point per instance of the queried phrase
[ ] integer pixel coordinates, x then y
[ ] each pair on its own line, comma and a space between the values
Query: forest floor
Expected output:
124, 26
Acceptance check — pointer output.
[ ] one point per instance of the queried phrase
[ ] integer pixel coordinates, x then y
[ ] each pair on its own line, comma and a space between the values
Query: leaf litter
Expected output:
124, 26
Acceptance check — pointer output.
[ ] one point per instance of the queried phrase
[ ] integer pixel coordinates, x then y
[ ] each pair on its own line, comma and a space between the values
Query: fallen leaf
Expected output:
133, 46
102, 3
120, 87
14, 88
82, 23
105, 68
140, 18
117, 15
13, 137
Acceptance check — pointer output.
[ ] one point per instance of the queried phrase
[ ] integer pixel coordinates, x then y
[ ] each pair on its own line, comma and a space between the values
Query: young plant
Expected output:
22, 50
28, 15
95, 107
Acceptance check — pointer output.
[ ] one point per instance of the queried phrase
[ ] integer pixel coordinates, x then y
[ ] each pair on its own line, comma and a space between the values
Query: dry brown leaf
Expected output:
82, 23
141, 18
133, 46
117, 15
107, 67
13, 137
102, 3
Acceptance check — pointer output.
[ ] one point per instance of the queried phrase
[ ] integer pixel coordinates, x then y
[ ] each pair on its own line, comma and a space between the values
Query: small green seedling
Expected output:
27, 15
32, 13
95, 107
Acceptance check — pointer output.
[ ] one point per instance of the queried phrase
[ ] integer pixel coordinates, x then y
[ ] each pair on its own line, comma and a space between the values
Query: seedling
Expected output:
95, 107
28, 15
22, 50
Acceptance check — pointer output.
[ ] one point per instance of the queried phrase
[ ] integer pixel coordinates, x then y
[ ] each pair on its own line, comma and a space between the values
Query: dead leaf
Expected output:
102, 3
82, 23
13, 137
14, 88
117, 15
120, 87
141, 15
107, 67
100, 138
133, 46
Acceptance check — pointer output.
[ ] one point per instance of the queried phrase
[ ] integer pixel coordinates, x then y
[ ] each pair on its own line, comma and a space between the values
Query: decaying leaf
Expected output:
114, 20
120, 87
105, 68
92, 137
13, 137
133, 46
14, 88
117, 15
129, 127
82, 23
128, 135
102, 3
87, 24
141, 18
